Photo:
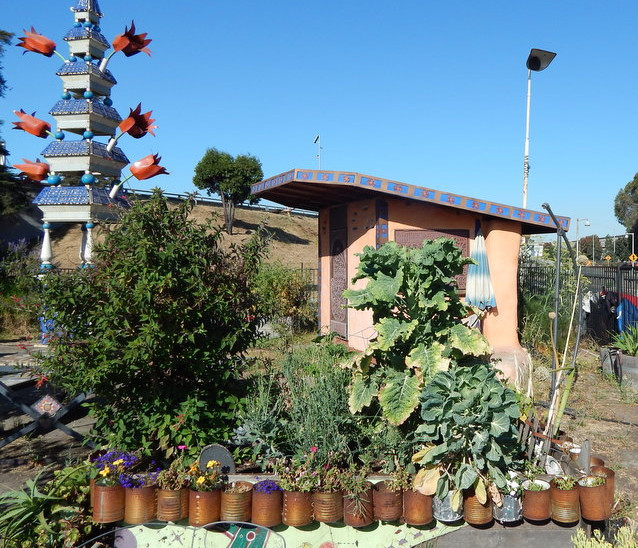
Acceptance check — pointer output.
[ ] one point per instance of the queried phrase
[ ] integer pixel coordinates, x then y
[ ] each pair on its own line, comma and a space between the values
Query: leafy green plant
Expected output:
627, 340
625, 538
535, 485
158, 329
51, 513
469, 426
417, 315
592, 481
174, 477
565, 483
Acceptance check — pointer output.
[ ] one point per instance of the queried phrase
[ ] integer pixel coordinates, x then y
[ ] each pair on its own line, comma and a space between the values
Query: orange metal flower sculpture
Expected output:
137, 124
130, 43
37, 43
147, 167
31, 124
36, 171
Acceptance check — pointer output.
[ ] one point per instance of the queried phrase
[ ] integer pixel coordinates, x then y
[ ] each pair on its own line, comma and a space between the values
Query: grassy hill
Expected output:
293, 237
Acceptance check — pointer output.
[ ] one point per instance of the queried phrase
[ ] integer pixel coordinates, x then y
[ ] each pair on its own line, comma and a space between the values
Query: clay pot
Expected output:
474, 511
358, 510
297, 508
267, 507
565, 504
610, 483
108, 503
139, 505
327, 507
236, 504
594, 500
387, 503
417, 508
172, 505
536, 504
204, 507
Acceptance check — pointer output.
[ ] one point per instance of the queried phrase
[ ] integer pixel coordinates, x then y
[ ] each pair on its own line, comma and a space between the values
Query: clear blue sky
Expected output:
423, 92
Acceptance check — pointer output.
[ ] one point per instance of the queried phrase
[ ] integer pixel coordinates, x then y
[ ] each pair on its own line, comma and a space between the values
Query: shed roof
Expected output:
316, 189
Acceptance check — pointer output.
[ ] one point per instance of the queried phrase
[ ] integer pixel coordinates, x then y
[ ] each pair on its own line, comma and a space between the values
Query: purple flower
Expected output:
267, 486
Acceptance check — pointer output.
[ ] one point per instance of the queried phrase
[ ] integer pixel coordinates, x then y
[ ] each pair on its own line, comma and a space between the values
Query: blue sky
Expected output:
427, 93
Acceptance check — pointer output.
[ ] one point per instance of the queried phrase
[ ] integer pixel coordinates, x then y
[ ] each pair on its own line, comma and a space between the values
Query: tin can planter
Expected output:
387, 504
172, 505
139, 505
565, 504
610, 483
536, 500
476, 512
593, 495
108, 503
358, 508
443, 511
204, 507
510, 511
417, 508
267, 504
236, 503
297, 508
327, 506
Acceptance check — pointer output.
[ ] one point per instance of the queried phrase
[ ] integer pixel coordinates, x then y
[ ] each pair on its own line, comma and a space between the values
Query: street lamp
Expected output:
538, 60
586, 223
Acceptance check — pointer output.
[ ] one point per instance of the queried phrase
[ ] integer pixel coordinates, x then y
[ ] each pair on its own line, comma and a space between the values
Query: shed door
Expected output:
338, 270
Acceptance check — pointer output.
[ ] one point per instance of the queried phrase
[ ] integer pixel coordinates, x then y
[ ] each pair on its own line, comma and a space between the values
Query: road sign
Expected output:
633, 257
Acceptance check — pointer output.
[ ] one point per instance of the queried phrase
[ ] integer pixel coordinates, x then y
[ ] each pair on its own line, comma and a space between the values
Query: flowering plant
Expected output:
205, 480
111, 467
296, 473
174, 477
354, 480
266, 486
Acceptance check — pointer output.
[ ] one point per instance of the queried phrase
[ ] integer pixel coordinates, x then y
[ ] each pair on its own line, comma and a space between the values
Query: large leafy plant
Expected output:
417, 315
470, 432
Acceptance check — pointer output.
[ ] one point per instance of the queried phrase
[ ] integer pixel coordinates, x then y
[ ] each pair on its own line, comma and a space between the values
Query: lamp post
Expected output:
538, 60
586, 223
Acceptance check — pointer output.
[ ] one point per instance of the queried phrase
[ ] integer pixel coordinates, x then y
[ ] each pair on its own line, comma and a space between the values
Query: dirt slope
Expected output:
293, 237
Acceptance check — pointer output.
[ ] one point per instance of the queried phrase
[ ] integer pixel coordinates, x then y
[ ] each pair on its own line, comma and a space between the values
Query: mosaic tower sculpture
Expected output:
84, 115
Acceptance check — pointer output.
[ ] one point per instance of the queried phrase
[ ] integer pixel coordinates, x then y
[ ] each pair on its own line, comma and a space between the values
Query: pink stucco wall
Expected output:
502, 242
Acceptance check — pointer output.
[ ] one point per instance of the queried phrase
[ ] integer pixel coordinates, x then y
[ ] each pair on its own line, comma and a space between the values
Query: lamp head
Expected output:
539, 59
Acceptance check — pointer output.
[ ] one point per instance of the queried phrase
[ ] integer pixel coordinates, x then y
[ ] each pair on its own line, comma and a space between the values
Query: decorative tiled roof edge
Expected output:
84, 106
84, 67
413, 192
77, 195
88, 5
83, 33
83, 148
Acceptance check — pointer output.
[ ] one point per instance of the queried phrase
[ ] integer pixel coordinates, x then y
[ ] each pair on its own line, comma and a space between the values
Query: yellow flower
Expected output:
200, 480
212, 463
118, 462
105, 471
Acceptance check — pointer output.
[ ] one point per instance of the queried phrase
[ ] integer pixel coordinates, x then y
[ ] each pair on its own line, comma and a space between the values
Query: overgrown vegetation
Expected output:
157, 331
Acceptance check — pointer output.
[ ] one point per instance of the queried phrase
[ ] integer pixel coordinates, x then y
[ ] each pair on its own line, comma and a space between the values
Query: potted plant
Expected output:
387, 495
506, 503
297, 479
327, 497
236, 501
536, 500
108, 492
357, 497
204, 497
172, 491
610, 482
267, 503
593, 498
470, 437
140, 502
564, 499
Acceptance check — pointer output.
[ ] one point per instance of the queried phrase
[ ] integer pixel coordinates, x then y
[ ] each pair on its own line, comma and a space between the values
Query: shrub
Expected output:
158, 329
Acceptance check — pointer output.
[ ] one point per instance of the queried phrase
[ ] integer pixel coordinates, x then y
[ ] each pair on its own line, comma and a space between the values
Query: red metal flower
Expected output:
37, 43
36, 171
31, 124
130, 43
137, 124
147, 167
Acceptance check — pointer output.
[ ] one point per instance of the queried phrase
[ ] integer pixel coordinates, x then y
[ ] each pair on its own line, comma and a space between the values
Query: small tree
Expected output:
219, 173
157, 329
626, 205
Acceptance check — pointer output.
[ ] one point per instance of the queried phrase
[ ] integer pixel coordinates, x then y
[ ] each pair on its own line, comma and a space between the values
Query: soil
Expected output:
293, 237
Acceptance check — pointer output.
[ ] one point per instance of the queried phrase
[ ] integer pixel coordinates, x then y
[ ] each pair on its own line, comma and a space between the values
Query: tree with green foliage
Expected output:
219, 173
417, 315
157, 331
5, 40
626, 205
